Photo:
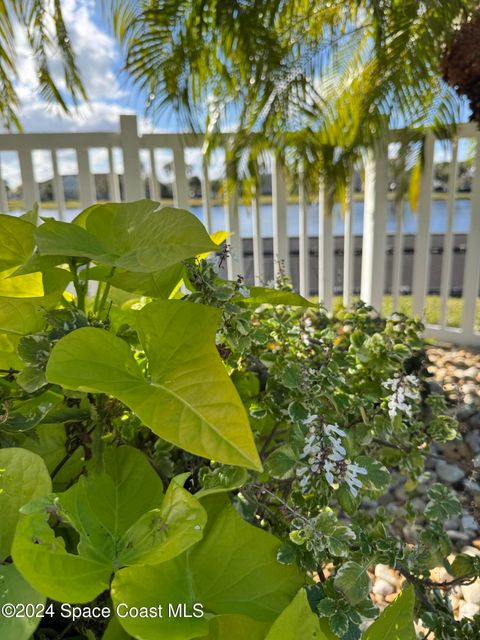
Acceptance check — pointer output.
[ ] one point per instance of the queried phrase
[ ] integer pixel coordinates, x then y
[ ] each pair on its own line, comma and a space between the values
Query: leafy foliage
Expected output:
204, 450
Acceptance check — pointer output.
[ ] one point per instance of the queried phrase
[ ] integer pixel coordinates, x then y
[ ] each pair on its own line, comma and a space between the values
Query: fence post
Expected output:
131, 158
279, 212
375, 225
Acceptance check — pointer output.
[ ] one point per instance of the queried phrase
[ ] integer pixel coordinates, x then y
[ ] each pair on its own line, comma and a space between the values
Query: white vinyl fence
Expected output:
304, 257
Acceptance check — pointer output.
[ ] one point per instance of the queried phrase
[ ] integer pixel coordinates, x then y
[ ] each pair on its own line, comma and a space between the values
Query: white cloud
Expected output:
97, 59
99, 63
96, 115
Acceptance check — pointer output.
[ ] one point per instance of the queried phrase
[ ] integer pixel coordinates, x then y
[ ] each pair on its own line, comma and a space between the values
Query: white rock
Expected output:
470, 373
471, 592
467, 610
383, 588
383, 571
457, 535
471, 551
449, 472
472, 486
440, 574
469, 523
455, 597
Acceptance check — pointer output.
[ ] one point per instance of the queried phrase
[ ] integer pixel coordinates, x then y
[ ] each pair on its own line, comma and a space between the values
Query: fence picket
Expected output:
325, 250
30, 192
348, 245
375, 225
397, 254
207, 207
85, 178
131, 158
421, 263
113, 183
279, 214
3, 192
447, 261
471, 276
58, 191
303, 252
235, 259
181, 182
257, 240
374, 262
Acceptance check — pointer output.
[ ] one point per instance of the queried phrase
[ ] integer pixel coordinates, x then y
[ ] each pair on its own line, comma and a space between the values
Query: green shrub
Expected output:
190, 460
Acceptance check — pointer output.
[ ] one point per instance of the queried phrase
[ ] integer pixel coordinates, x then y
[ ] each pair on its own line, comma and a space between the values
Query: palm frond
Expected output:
329, 75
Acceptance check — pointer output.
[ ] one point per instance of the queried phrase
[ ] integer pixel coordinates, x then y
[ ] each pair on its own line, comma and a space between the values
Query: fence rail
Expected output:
376, 243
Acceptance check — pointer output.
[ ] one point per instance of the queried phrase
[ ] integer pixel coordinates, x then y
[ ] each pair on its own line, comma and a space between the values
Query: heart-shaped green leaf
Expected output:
233, 570
120, 518
188, 398
136, 236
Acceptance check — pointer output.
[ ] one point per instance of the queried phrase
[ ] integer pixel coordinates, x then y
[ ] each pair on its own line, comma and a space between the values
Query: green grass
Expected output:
432, 310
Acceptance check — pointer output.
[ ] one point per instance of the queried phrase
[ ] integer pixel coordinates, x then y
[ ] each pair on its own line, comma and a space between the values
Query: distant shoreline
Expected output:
15, 205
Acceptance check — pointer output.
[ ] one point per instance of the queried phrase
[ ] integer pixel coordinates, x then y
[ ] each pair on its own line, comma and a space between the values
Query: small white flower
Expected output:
329, 477
353, 482
336, 456
402, 390
329, 428
338, 448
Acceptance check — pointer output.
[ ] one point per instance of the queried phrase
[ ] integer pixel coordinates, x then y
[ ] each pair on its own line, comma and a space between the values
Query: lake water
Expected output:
438, 223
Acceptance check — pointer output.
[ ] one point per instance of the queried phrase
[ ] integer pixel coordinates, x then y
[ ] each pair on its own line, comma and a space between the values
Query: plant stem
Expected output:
79, 286
417, 584
106, 291
97, 297
268, 440
67, 457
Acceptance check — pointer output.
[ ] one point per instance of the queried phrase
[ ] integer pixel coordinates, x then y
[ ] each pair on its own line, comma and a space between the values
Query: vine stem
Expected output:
417, 584
79, 286
105, 293
268, 440
67, 457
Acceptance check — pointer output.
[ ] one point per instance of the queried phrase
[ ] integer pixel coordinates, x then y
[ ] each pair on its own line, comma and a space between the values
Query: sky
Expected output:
100, 64
109, 95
